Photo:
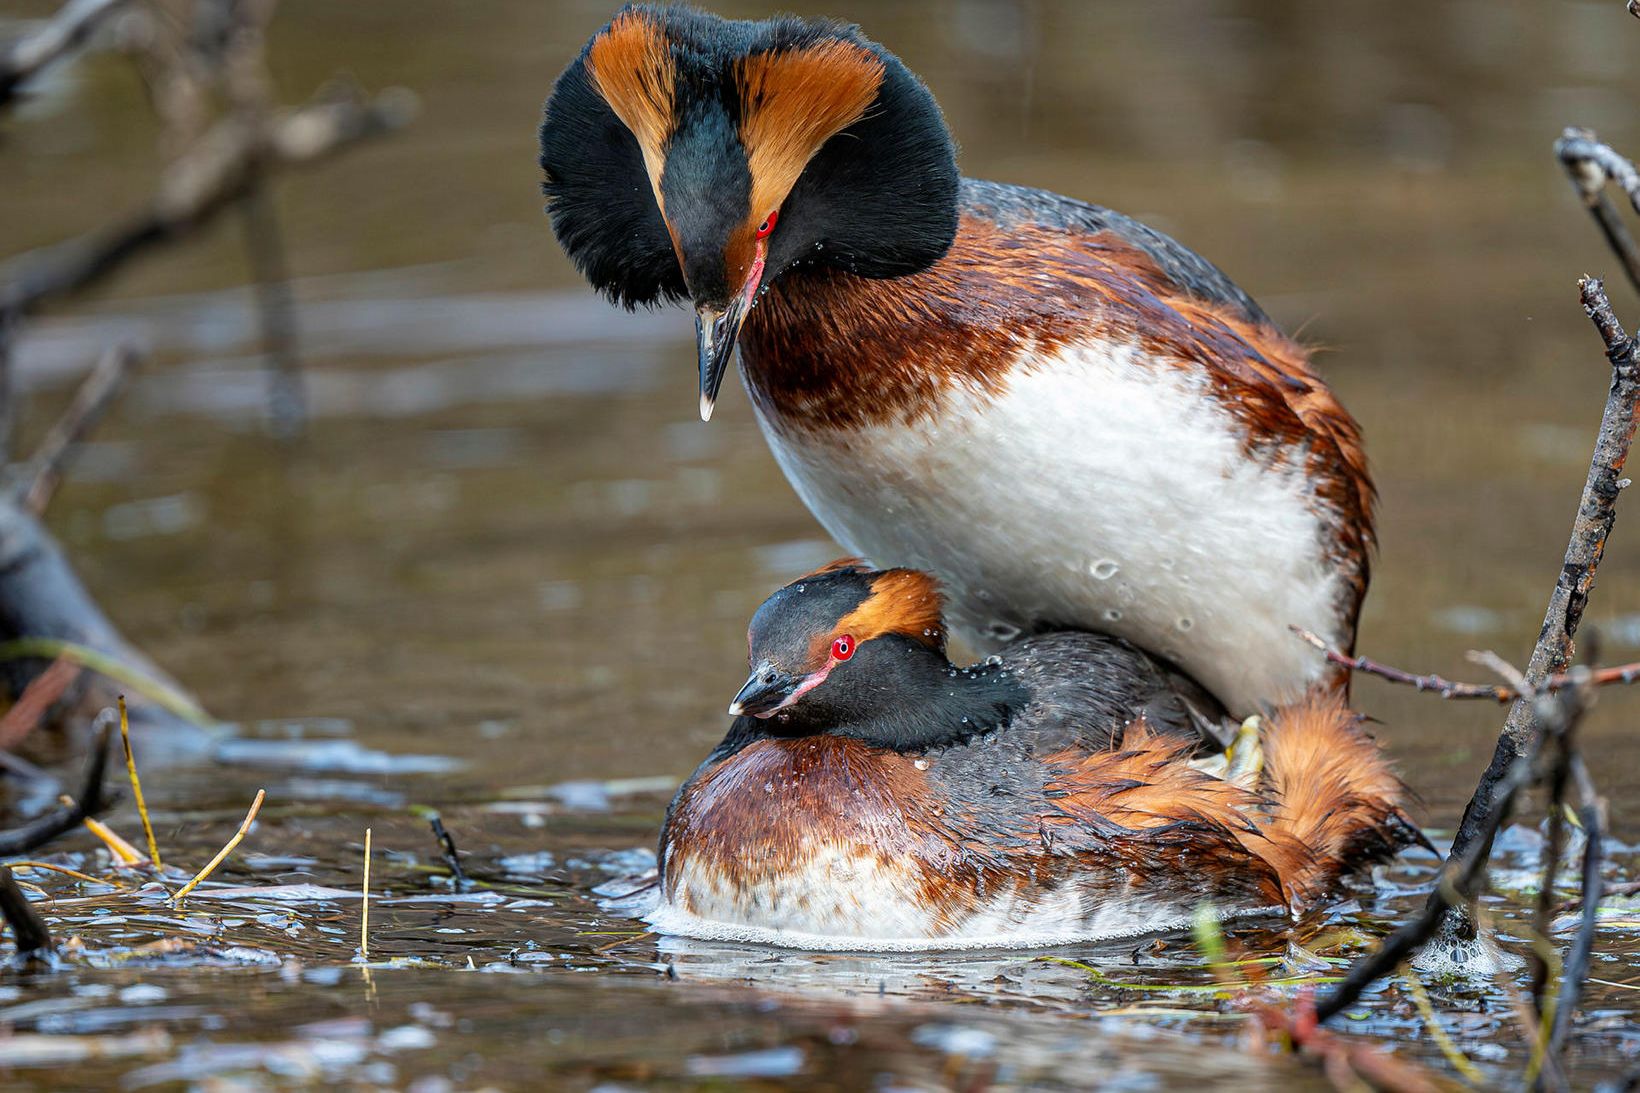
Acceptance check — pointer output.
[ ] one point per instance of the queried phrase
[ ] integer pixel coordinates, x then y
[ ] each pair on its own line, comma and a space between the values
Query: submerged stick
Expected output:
447, 849
222, 855
1592, 816
71, 812
364, 902
33, 938
136, 786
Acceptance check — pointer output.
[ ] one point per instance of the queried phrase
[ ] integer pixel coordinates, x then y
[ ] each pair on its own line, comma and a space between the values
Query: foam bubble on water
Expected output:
1104, 569
1113, 615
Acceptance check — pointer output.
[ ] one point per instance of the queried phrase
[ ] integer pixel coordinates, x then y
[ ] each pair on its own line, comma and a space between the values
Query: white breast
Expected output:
847, 898
1100, 490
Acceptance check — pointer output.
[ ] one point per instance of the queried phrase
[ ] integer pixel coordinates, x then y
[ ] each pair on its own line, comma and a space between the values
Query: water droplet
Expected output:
1104, 569
993, 660
1003, 631
1186, 623
920, 764
1113, 615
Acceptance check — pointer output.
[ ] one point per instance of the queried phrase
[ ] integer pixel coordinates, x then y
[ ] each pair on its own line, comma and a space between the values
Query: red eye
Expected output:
842, 648
767, 226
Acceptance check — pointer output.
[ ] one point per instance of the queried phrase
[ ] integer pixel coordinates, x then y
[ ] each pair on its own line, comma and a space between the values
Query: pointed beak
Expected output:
715, 332
766, 691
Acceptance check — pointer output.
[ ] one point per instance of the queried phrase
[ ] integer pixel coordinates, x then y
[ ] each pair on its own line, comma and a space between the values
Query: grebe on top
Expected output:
1070, 419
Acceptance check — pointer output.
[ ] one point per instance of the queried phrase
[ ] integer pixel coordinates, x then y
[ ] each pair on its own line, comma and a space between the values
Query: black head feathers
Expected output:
675, 134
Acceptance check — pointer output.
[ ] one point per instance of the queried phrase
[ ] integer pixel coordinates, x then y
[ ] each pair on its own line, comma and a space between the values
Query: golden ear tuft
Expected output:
631, 65
792, 102
902, 601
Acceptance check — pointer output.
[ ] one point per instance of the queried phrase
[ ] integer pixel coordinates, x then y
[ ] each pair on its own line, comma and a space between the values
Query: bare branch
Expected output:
91, 401
1591, 165
1596, 514
63, 32
220, 169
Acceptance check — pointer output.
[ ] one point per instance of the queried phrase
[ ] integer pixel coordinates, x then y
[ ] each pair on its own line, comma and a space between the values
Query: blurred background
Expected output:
507, 538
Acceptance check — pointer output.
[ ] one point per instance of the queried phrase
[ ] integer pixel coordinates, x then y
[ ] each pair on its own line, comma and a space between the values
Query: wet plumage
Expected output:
1059, 791
1071, 419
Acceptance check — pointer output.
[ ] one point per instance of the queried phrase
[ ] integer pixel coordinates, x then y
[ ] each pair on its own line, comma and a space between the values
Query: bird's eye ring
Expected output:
842, 648
767, 226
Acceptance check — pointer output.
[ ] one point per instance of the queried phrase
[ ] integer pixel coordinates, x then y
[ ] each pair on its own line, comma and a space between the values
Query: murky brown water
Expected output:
508, 542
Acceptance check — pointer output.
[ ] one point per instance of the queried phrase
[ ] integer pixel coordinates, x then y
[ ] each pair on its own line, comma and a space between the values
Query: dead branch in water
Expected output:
66, 817
28, 929
1531, 719
1596, 514
62, 33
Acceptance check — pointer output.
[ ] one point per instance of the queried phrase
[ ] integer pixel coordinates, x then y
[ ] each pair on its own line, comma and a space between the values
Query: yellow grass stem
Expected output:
1420, 998
364, 904
65, 870
221, 855
136, 786
124, 853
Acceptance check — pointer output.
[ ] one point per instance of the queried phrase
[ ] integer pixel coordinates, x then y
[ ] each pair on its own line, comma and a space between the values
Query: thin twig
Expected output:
1442, 687
63, 869
123, 852
27, 927
136, 787
364, 902
222, 855
91, 401
1591, 164
63, 32
66, 817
